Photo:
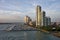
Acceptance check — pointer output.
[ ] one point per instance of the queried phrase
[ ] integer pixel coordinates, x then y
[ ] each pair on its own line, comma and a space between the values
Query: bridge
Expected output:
16, 27
10, 28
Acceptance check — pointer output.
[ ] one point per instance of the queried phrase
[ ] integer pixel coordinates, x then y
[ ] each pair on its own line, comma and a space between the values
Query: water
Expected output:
25, 35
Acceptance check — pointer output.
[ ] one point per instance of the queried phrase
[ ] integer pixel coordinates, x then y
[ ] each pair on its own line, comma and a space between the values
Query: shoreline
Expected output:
57, 34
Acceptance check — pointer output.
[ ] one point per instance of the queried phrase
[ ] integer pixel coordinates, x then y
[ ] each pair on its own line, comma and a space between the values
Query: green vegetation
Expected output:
50, 28
46, 28
58, 29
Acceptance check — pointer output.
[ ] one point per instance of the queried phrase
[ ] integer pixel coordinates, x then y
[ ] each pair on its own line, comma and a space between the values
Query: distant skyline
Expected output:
15, 10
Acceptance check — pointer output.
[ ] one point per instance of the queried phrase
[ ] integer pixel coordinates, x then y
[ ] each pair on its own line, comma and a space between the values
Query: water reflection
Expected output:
45, 36
26, 35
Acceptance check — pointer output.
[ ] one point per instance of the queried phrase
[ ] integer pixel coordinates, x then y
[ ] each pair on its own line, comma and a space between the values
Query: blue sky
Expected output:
15, 10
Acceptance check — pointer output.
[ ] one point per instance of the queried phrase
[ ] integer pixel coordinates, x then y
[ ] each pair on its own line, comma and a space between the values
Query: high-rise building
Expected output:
43, 18
38, 16
47, 21
27, 19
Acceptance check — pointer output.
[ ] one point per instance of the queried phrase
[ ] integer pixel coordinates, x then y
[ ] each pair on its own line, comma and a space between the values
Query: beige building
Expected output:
38, 16
30, 23
27, 19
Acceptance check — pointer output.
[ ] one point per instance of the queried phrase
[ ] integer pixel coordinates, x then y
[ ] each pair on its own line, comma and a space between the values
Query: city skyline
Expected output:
15, 10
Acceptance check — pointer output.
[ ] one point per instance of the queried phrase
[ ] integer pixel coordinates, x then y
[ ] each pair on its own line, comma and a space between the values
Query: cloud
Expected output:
2, 1
55, 15
50, 0
9, 5
54, 6
5, 12
10, 16
20, 8
53, 11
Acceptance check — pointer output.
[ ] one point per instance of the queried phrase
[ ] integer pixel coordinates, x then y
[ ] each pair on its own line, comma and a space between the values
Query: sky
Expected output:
15, 10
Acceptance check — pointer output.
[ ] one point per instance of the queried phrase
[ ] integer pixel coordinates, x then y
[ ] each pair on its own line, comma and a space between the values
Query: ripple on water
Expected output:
26, 35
